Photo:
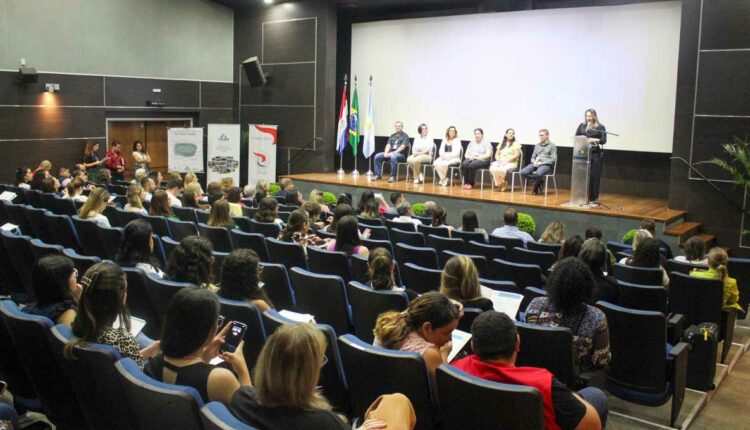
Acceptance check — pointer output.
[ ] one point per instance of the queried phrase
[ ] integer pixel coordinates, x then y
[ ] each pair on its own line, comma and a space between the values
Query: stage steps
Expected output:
688, 229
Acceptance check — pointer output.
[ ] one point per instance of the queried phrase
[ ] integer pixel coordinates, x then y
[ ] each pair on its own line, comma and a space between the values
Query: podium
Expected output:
579, 176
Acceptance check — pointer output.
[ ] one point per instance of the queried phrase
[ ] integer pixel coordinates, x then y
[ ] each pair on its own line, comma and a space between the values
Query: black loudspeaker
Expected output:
254, 72
28, 75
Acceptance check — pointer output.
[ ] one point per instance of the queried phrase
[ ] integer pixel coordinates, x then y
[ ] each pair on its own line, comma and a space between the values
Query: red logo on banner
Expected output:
269, 130
261, 159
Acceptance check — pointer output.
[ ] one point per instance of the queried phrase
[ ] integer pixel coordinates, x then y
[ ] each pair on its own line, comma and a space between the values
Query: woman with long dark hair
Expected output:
193, 261
647, 254
160, 205
347, 238
24, 175
56, 289
240, 279
137, 248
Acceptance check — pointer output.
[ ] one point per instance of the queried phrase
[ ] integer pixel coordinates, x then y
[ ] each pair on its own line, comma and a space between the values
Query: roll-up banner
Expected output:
185, 149
262, 153
223, 152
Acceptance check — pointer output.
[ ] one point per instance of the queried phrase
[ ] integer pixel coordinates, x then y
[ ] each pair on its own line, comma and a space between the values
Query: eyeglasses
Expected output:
220, 321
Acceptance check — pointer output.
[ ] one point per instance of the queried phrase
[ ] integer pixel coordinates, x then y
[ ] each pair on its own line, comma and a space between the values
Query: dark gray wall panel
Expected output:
50, 122
30, 153
295, 124
725, 24
136, 92
710, 134
290, 84
723, 84
75, 90
217, 95
289, 41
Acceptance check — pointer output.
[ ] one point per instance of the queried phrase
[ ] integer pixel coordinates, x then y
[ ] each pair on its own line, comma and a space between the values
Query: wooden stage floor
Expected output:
621, 206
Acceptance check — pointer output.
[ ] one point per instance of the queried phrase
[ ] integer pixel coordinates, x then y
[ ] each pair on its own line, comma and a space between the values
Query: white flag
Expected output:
368, 147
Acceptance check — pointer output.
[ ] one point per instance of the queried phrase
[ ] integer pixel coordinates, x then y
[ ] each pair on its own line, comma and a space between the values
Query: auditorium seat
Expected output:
543, 259
420, 279
615, 247
40, 249
254, 241
370, 222
16, 215
160, 291
468, 236
169, 245
37, 220
125, 217
14, 373
508, 286
508, 242
329, 262
22, 258
638, 275
159, 225
242, 223
404, 226
81, 262
490, 252
640, 371
642, 297
159, 251
468, 402
181, 229
290, 254
94, 381
219, 237
437, 231
524, 275
546, 247
374, 371
324, 297
255, 335
139, 303
406, 238
249, 212
216, 416
374, 244
267, 229
479, 261
30, 335
88, 234
469, 315
368, 303
550, 348
330, 235
111, 238
360, 268
444, 243
156, 404
421, 256
218, 264
272, 320
202, 215
63, 206
378, 232
34, 198
64, 232
277, 286
185, 214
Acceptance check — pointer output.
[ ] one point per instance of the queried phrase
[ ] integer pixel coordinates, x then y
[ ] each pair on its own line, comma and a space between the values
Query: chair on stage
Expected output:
433, 154
546, 178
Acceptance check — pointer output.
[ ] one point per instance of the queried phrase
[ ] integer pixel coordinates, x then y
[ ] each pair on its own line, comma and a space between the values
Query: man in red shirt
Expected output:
115, 162
496, 343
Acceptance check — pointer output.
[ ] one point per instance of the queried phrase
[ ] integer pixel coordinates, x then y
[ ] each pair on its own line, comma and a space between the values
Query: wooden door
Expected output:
156, 138
153, 135
126, 132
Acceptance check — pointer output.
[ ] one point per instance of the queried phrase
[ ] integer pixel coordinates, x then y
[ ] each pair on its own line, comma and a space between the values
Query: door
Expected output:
153, 135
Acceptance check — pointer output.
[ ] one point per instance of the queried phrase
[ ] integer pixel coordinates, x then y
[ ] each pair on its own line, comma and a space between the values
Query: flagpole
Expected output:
341, 171
369, 159
355, 172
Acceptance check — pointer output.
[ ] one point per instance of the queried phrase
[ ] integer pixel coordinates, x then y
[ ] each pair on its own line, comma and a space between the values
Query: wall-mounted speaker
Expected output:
27, 75
254, 72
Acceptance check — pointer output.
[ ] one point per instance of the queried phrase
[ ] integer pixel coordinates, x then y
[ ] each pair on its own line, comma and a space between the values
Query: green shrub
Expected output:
628, 237
526, 223
418, 209
273, 189
329, 198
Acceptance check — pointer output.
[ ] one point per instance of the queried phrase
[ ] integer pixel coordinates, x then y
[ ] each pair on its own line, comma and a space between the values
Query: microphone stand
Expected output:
301, 151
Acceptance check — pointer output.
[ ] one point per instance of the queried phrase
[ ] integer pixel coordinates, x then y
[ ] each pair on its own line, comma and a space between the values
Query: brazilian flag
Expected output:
354, 123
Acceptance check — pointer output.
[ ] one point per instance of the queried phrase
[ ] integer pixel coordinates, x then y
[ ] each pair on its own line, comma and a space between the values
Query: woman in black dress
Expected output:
596, 134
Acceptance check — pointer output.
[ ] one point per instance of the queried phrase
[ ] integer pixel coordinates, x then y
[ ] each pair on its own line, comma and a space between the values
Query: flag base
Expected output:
355, 173
369, 174
341, 172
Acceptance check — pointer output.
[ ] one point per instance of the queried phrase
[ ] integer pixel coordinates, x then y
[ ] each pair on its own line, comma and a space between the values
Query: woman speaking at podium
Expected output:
596, 134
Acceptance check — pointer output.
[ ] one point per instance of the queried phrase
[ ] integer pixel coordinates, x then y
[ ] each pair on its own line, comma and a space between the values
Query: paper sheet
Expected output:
503, 301
459, 339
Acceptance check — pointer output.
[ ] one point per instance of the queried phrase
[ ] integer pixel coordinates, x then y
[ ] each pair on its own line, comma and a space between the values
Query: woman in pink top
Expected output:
424, 327
347, 238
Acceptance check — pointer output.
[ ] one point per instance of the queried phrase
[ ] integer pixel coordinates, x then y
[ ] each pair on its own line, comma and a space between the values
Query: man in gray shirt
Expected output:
542, 160
395, 151
510, 218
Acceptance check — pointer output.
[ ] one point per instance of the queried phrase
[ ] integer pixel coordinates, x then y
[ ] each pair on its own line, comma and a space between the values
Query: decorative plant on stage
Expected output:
526, 223
329, 198
273, 189
418, 209
737, 162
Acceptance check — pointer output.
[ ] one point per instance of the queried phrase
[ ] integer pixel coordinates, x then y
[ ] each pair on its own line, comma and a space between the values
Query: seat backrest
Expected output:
40, 249
254, 241
290, 254
739, 268
398, 235
249, 211
368, 303
124, 217
377, 232
156, 404
437, 231
63, 231
255, 335
160, 291
699, 299
181, 229
267, 229
638, 275
479, 261
508, 242
185, 214
360, 268
111, 238
637, 341
469, 315
403, 226
82, 262
468, 236
420, 279
425, 257
168, 245
370, 221
548, 347
88, 235
473, 403
490, 252
22, 258
94, 381
543, 259
372, 244
219, 236
158, 224
376, 371
216, 416
643, 297
329, 262
682, 266
38, 221
508, 286
242, 223
546, 247
445, 243
17, 217
31, 337
277, 286
524, 275
63, 206
139, 302
615, 247
323, 296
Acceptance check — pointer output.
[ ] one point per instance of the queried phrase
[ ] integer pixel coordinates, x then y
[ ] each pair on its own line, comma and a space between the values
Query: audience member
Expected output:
63, 174
260, 195
56, 289
650, 226
594, 254
193, 261
695, 251
101, 306
240, 279
421, 153
597, 233
234, 198
135, 196
105, 177
371, 209
189, 342
190, 200
317, 197
44, 165
397, 199
429, 208
38, 178
268, 211
157, 177
220, 215
91, 161
115, 162
50, 185
261, 185
174, 189
647, 254
296, 230
286, 185
496, 343
75, 190
139, 175
554, 233
381, 269
94, 206
347, 237
137, 248
24, 175
569, 287
149, 186
406, 215
339, 212
510, 218
470, 223
313, 213
571, 247
425, 327
460, 282
294, 198
159, 205
192, 178
439, 217
344, 198
717, 269
477, 156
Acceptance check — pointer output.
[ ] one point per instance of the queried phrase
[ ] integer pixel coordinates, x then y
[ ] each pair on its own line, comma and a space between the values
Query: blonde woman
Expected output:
94, 206
317, 196
192, 178
717, 269
448, 155
135, 196
554, 233
507, 155
421, 152
639, 235
220, 215
460, 282
226, 184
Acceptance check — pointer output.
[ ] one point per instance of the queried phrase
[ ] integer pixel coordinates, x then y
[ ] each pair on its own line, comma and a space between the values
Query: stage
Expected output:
625, 212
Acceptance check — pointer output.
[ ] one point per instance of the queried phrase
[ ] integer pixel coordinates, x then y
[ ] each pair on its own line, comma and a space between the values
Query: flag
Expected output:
342, 135
368, 146
354, 122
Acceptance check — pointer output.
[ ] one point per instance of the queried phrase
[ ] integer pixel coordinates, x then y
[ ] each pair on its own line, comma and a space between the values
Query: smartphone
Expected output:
233, 337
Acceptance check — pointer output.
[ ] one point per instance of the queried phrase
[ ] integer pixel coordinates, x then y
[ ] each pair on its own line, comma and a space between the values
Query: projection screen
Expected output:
526, 70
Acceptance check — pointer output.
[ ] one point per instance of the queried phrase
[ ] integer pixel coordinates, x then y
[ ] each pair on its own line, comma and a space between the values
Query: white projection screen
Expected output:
526, 70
